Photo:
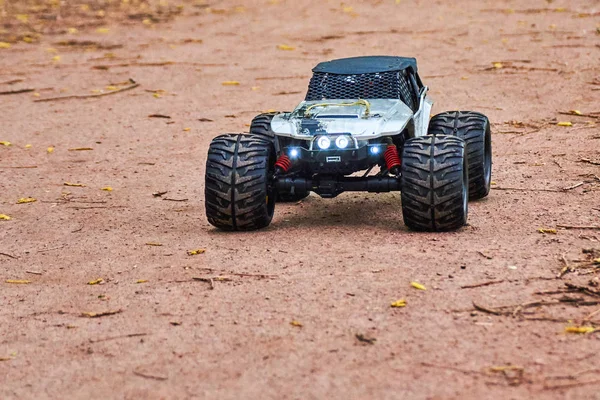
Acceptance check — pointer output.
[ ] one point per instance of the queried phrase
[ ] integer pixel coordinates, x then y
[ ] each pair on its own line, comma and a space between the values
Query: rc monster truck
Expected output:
363, 114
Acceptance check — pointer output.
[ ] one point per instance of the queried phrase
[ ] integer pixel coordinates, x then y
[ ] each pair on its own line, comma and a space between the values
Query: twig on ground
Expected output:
482, 284
52, 248
487, 310
589, 317
464, 371
577, 227
9, 92
87, 96
34, 272
481, 253
118, 337
570, 385
527, 189
209, 280
150, 376
169, 199
580, 115
573, 187
582, 289
101, 314
27, 166
11, 82
566, 267
587, 160
9, 255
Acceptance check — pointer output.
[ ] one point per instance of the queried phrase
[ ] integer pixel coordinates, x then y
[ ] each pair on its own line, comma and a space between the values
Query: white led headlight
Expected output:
342, 142
323, 142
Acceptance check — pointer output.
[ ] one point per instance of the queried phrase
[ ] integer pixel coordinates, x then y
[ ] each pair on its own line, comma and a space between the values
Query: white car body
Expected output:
386, 117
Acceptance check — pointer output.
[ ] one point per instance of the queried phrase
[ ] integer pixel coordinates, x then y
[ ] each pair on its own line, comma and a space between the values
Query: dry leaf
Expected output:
547, 230
80, 149
102, 30
107, 189
24, 200
153, 244
5, 217
95, 281
195, 252
596, 260
230, 83
579, 329
497, 65
296, 323
74, 184
565, 123
4, 45
28, 146
18, 281
50, 149
398, 303
187, 129
285, 47
5, 143
141, 281
575, 112
417, 285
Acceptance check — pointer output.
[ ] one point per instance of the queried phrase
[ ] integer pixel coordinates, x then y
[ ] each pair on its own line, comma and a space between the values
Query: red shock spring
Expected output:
284, 163
392, 160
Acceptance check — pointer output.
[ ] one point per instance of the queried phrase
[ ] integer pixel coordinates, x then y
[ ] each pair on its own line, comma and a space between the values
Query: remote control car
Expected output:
363, 114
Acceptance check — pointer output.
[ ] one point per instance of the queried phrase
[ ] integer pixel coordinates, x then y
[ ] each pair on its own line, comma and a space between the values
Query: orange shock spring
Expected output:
392, 160
284, 163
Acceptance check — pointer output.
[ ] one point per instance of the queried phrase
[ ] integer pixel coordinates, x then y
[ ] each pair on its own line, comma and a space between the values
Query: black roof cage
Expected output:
371, 77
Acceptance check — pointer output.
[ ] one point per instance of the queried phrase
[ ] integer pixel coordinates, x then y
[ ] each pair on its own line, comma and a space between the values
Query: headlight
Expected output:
342, 142
323, 142
375, 150
294, 153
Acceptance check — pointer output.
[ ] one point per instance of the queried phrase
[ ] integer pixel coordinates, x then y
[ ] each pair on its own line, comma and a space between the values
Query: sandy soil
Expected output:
333, 266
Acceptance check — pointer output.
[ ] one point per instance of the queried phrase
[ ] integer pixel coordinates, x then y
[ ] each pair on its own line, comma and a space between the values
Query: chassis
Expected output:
361, 114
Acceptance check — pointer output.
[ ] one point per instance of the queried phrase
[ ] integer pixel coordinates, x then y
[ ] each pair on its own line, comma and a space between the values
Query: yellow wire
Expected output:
359, 102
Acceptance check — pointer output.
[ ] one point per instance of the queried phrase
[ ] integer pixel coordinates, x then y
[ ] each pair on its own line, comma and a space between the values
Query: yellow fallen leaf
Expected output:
107, 189
230, 83
28, 39
547, 230
5, 143
147, 21
18, 281
22, 17
195, 252
579, 329
399, 303
24, 200
141, 281
4, 45
74, 184
5, 217
493, 183
596, 261
575, 112
157, 95
255, 87
296, 323
187, 129
270, 110
50, 149
51, 50
102, 30
497, 65
111, 88
153, 244
72, 31
28, 146
285, 47
80, 149
96, 281
36, 94
564, 123
417, 285
56, 58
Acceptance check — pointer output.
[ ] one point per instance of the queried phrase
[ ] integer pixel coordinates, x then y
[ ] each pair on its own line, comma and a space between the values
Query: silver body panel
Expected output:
386, 117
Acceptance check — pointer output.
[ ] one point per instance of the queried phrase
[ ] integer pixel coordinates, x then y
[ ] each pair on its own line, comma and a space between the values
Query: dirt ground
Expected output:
300, 310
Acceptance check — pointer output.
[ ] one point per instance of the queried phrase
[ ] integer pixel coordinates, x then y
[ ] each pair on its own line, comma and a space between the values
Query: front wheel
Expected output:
435, 183
238, 192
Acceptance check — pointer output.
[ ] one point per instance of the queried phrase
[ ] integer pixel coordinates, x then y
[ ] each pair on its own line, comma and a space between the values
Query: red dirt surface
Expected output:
334, 266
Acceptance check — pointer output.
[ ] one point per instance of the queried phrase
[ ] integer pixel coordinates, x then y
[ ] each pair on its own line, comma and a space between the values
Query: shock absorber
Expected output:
392, 160
283, 164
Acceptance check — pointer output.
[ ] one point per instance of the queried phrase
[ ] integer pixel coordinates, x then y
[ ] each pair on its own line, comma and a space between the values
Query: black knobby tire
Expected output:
261, 126
435, 186
238, 192
474, 129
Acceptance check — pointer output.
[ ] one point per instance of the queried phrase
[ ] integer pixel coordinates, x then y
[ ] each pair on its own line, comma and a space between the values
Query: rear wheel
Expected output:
238, 192
434, 184
474, 129
261, 126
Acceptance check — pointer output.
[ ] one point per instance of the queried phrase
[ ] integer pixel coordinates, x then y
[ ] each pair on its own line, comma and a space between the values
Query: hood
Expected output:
363, 119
